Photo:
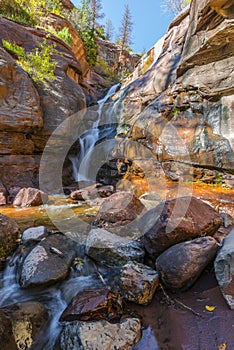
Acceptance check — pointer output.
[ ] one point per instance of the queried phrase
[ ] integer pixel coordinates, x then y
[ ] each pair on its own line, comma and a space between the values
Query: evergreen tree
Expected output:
109, 29
96, 13
125, 31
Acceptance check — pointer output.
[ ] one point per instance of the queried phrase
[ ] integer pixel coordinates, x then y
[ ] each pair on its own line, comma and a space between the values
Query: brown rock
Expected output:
100, 304
26, 320
92, 192
30, 197
176, 221
120, 209
138, 283
7, 339
180, 265
3, 194
9, 233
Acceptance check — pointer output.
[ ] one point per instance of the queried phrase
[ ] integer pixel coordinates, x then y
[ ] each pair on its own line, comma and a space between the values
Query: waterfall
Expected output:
81, 163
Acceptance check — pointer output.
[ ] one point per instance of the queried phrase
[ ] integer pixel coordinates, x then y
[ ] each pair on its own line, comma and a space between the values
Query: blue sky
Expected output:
150, 23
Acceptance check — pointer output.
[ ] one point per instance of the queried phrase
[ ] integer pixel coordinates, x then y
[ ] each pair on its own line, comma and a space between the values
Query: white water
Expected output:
81, 163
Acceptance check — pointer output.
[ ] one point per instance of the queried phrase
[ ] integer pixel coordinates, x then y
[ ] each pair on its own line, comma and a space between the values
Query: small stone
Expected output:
138, 283
181, 265
33, 234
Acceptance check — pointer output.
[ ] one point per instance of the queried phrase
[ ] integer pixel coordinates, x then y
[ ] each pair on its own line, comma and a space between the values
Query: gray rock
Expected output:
33, 234
224, 269
47, 263
110, 249
100, 335
180, 265
138, 283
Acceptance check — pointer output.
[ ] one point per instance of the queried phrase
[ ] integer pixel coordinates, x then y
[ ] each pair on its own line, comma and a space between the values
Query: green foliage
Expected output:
65, 36
11, 10
29, 12
14, 49
38, 63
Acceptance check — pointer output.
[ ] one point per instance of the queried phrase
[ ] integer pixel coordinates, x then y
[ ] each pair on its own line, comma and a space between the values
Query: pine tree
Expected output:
109, 29
125, 31
96, 13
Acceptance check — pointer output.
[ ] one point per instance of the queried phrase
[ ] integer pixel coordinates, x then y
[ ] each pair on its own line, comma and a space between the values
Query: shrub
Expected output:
11, 10
65, 36
38, 63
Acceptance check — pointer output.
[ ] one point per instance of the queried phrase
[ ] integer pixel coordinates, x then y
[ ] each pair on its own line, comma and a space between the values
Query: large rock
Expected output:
33, 234
30, 197
89, 305
47, 263
101, 335
21, 324
110, 249
176, 221
138, 283
9, 233
180, 265
7, 339
224, 269
119, 209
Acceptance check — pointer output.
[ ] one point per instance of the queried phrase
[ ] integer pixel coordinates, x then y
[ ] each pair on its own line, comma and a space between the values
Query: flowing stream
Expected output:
81, 163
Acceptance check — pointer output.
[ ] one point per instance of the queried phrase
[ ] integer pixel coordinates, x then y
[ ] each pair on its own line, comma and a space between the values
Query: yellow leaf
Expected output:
210, 308
222, 346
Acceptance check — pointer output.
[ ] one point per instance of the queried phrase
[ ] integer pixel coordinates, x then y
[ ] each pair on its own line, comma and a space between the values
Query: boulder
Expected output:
89, 305
181, 265
33, 234
92, 192
27, 197
26, 320
48, 262
224, 269
101, 335
175, 221
9, 233
3, 194
119, 209
110, 249
138, 282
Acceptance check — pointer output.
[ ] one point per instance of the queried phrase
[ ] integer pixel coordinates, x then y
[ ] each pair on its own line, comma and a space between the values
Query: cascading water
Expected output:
81, 163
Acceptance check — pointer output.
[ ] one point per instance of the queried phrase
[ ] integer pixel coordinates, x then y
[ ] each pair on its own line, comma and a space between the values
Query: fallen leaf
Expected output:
222, 346
210, 308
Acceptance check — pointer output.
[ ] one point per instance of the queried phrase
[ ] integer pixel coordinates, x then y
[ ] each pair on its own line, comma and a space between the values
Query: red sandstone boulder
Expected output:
27, 197
176, 221
180, 265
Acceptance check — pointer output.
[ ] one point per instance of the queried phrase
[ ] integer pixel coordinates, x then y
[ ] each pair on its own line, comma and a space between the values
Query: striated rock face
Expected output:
179, 112
28, 113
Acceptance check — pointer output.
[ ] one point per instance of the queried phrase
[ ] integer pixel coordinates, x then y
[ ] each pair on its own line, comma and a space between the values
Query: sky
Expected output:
150, 23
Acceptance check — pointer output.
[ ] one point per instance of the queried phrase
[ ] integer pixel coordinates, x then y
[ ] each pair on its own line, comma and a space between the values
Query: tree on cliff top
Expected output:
96, 13
109, 29
125, 31
174, 6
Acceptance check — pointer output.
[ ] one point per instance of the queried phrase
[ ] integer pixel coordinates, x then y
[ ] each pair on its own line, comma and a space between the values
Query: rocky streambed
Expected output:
152, 271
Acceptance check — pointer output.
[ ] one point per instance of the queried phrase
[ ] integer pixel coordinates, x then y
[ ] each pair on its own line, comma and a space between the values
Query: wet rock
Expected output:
176, 221
224, 269
150, 200
180, 265
88, 305
138, 283
48, 262
110, 249
101, 335
9, 233
7, 339
3, 194
33, 234
30, 197
92, 192
119, 209
26, 321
